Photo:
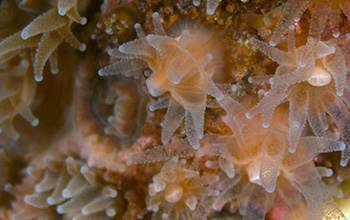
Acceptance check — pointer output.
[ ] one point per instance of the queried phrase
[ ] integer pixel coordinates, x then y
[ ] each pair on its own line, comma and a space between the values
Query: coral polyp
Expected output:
181, 72
311, 88
68, 189
45, 33
176, 191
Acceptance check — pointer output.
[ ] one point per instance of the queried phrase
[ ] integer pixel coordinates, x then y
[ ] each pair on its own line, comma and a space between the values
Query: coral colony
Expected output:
174, 110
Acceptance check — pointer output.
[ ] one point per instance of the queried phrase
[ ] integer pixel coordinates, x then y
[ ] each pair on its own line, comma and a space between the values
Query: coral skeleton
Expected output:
181, 72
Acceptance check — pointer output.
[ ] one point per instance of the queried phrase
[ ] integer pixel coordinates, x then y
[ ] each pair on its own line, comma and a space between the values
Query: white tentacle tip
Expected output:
83, 21
121, 48
270, 189
265, 124
342, 146
347, 36
24, 35
336, 35
302, 64
339, 179
195, 146
272, 43
196, 3
130, 159
100, 72
149, 38
137, 25
220, 97
38, 78
54, 71
155, 15
35, 122
209, 56
82, 47
340, 93
292, 150
343, 163
249, 115
210, 11
186, 33
62, 11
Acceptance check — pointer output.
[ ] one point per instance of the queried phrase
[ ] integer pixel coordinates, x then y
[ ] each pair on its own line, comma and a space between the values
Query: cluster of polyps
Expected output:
322, 10
45, 33
313, 87
299, 194
72, 190
177, 190
182, 71
254, 167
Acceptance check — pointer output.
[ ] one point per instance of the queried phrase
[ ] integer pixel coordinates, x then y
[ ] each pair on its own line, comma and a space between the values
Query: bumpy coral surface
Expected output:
178, 110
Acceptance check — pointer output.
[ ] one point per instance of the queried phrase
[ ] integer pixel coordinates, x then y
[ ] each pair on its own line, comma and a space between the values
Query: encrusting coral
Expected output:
181, 72
66, 189
168, 110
